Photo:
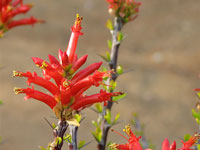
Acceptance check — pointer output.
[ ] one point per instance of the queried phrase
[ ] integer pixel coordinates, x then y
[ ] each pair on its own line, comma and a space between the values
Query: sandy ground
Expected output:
162, 49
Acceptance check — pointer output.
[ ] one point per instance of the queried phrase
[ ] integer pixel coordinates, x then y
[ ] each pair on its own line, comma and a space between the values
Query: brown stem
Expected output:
118, 24
62, 127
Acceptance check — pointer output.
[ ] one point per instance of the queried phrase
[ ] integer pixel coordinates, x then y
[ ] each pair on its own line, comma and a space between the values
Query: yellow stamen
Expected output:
16, 74
66, 83
113, 146
18, 90
127, 130
78, 20
44, 65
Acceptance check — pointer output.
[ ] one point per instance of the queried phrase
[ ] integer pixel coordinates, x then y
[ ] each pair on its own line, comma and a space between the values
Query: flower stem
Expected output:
59, 133
73, 131
118, 24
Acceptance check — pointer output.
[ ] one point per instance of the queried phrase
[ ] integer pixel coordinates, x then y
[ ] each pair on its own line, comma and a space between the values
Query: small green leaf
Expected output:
198, 94
53, 125
99, 107
109, 44
113, 85
109, 24
195, 114
116, 98
187, 137
108, 116
120, 36
77, 117
198, 146
58, 140
95, 123
103, 57
116, 118
103, 68
119, 70
68, 138
1, 102
108, 54
81, 144
42, 148
97, 134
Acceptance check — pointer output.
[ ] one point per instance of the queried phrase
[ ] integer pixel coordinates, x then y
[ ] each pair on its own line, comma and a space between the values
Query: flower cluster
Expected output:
67, 92
11, 8
125, 9
186, 145
134, 144
133, 141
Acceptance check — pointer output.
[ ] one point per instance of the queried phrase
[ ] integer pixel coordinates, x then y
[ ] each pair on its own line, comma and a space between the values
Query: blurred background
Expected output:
161, 49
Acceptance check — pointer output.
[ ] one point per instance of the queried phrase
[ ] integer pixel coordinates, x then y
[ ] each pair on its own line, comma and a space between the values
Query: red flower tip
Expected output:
197, 89
40, 63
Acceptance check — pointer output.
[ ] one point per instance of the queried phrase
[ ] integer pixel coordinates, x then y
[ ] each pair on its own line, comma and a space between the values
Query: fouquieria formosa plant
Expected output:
67, 93
11, 8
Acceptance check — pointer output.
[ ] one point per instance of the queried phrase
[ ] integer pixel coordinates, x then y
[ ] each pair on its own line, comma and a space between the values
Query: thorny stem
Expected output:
62, 127
73, 132
118, 24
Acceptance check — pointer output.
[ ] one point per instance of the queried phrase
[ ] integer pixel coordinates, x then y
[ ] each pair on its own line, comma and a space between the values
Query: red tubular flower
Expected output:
68, 92
9, 9
31, 93
188, 144
133, 141
76, 31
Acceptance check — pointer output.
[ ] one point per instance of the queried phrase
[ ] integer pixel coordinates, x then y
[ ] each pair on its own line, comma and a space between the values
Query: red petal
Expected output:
79, 63
165, 145
85, 72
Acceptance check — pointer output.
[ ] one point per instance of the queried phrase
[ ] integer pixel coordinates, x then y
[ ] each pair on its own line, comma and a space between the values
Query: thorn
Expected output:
48, 123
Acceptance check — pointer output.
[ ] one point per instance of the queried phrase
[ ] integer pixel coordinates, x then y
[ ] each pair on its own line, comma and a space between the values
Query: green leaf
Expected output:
68, 138
99, 107
81, 144
116, 118
95, 123
77, 117
116, 98
198, 146
97, 134
53, 125
103, 68
187, 137
58, 140
108, 54
109, 24
120, 36
108, 116
1, 102
198, 94
109, 44
120, 70
103, 57
113, 85
195, 114
42, 148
